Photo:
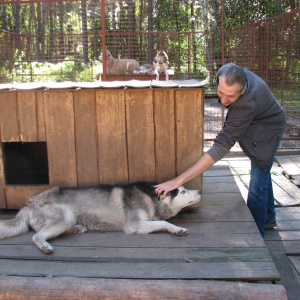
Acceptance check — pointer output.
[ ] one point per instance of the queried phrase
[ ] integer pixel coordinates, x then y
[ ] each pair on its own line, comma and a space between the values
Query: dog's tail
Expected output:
16, 226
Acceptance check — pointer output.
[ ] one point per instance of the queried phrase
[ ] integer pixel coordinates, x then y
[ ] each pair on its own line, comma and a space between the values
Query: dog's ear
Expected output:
173, 193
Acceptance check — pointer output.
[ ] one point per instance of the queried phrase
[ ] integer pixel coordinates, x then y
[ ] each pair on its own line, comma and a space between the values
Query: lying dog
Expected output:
162, 62
132, 208
120, 66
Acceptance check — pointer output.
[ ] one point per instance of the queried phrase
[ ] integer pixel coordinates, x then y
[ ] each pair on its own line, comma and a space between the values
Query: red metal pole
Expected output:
103, 33
223, 48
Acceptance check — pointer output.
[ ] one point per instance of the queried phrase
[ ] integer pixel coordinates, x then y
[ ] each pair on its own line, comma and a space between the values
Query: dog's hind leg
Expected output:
54, 228
167, 75
144, 227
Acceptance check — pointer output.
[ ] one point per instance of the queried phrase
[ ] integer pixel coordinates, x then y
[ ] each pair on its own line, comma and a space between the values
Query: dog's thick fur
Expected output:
133, 208
161, 64
120, 66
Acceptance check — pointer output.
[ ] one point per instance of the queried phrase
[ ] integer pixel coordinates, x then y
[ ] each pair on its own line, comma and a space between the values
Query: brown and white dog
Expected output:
120, 66
161, 64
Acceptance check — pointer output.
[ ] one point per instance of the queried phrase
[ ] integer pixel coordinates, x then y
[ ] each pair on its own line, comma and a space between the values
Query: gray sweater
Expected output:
256, 120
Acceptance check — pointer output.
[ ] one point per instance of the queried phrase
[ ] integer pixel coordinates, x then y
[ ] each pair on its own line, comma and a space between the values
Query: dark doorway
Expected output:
25, 163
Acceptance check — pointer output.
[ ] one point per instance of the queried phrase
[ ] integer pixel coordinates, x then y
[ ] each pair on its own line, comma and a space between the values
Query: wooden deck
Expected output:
222, 257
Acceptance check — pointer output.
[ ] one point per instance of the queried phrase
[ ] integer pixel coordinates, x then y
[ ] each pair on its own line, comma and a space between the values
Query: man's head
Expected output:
231, 83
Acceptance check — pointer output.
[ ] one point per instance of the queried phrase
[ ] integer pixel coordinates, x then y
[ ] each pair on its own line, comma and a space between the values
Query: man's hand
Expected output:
165, 187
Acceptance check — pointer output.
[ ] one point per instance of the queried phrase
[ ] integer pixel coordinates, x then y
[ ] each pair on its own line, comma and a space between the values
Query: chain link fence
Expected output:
62, 40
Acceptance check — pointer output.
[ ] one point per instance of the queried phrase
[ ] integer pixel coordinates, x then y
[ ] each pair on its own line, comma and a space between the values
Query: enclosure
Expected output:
61, 41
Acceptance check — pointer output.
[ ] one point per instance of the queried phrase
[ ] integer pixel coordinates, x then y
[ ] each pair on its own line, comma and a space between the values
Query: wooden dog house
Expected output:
82, 137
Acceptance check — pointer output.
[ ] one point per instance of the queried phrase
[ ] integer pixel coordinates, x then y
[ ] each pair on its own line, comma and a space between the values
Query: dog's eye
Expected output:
182, 192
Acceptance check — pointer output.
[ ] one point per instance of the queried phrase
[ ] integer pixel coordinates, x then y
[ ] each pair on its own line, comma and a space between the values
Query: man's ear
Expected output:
244, 90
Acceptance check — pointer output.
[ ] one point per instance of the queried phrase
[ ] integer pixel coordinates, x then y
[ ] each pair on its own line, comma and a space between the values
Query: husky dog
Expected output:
132, 208
162, 62
147, 69
120, 66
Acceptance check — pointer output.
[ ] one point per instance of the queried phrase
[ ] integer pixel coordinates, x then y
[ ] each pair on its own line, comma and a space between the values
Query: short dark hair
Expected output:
232, 74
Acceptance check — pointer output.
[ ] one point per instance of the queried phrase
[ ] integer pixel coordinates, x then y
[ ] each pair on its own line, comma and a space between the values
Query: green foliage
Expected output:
47, 72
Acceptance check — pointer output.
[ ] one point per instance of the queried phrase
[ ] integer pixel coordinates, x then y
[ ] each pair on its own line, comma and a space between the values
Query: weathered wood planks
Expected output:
60, 133
19, 288
105, 136
86, 138
223, 242
111, 136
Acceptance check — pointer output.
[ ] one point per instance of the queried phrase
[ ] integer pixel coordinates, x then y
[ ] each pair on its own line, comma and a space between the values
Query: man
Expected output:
256, 120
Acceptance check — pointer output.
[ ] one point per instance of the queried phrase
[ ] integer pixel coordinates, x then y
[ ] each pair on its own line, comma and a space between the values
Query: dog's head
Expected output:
161, 57
108, 55
181, 198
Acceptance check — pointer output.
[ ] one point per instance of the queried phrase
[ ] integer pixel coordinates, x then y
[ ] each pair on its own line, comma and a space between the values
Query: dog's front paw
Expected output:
80, 229
47, 248
180, 231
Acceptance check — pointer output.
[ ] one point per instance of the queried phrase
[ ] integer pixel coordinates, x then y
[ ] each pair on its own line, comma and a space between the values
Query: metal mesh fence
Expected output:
62, 40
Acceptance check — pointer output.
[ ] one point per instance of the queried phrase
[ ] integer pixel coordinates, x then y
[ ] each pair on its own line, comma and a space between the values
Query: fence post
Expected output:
103, 33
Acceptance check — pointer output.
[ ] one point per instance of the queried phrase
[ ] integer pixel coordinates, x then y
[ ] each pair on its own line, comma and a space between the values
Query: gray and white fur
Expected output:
132, 208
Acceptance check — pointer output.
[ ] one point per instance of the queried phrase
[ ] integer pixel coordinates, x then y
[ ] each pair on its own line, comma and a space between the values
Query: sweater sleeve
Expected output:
239, 117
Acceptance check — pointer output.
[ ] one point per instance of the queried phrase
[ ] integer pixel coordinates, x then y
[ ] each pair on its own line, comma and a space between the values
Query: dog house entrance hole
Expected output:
25, 163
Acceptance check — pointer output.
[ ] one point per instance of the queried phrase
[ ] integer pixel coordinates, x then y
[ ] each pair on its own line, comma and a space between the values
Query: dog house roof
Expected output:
102, 85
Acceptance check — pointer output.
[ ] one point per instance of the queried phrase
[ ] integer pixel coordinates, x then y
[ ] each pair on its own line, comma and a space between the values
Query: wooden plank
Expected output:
224, 213
27, 116
59, 117
296, 180
20, 288
86, 138
295, 260
217, 198
217, 173
215, 180
240, 166
140, 135
295, 159
9, 117
288, 225
288, 165
217, 229
232, 270
189, 108
288, 214
292, 191
111, 128
17, 196
221, 187
40, 114
164, 114
161, 240
281, 196
276, 235
288, 247
135, 255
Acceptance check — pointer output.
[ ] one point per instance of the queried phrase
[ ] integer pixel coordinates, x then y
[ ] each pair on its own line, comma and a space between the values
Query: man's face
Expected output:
229, 94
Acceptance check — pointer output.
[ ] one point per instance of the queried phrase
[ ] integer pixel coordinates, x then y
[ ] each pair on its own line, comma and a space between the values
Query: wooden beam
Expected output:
19, 288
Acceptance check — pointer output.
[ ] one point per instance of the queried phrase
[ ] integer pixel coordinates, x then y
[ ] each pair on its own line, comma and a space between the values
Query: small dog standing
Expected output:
132, 208
162, 62
120, 66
